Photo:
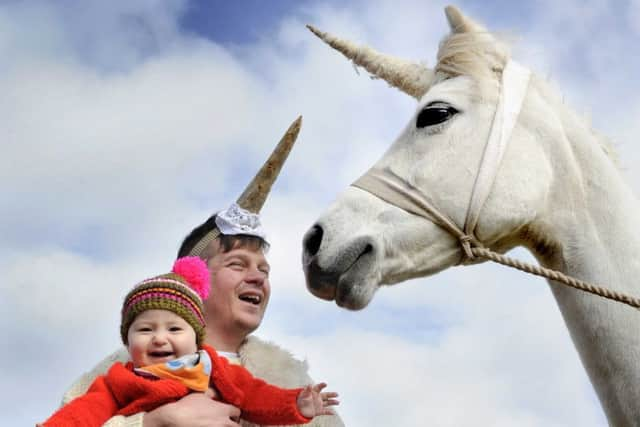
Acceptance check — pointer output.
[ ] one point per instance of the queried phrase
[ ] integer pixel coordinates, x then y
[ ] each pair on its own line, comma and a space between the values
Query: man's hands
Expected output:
312, 401
193, 410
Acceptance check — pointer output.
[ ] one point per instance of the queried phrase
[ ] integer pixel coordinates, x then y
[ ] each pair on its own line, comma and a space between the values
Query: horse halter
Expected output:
395, 190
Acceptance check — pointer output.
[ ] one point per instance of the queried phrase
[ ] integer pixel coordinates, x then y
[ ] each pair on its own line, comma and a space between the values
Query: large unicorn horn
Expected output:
254, 196
410, 77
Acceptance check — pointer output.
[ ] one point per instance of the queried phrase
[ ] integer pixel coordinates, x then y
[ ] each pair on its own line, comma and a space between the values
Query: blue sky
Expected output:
233, 23
123, 124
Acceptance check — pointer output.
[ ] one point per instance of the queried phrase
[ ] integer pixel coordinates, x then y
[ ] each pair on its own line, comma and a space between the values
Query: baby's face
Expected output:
157, 336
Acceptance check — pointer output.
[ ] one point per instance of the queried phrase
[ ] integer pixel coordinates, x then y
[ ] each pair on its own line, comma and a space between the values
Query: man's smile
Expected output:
252, 297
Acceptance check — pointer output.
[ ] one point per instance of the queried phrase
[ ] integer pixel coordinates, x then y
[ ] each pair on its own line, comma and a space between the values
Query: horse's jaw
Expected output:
349, 271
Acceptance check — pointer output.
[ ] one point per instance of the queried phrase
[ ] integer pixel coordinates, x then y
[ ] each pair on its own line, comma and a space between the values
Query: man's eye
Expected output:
435, 114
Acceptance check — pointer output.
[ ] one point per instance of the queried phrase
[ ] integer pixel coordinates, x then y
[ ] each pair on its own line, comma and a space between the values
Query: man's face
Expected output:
157, 336
240, 290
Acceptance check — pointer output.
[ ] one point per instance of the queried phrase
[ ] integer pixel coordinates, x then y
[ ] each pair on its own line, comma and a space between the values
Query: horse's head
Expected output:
363, 241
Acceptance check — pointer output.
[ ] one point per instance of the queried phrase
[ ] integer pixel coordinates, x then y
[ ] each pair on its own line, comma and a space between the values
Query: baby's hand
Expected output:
311, 402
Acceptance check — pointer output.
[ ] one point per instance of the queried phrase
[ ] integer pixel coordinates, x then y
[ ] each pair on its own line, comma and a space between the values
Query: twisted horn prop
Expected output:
254, 196
412, 78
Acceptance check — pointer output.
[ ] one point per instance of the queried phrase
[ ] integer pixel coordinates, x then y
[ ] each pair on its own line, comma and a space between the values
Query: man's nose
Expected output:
256, 276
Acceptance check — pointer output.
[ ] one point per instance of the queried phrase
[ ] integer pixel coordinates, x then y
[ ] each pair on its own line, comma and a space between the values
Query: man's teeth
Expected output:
253, 299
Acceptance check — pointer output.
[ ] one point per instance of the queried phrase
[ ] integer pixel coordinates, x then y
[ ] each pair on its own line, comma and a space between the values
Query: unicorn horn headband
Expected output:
242, 216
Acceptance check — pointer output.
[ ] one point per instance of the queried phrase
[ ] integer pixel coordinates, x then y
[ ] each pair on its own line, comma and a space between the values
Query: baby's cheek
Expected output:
137, 357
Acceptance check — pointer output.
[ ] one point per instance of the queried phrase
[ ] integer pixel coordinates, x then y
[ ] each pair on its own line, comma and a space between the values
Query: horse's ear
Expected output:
460, 23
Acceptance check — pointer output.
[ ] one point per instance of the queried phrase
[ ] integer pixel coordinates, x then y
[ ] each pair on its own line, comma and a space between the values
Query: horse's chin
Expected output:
353, 305
352, 290
352, 301
355, 289
348, 295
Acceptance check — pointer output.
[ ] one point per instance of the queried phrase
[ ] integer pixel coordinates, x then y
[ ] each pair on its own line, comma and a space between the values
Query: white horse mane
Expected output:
576, 122
472, 54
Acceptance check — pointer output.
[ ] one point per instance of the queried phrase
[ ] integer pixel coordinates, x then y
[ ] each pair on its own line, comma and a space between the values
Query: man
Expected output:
232, 243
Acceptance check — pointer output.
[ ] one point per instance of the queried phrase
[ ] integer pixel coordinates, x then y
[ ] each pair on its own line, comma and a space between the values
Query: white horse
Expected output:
550, 186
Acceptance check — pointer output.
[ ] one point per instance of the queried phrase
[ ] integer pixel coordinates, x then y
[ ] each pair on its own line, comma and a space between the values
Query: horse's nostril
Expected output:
367, 249
313, 239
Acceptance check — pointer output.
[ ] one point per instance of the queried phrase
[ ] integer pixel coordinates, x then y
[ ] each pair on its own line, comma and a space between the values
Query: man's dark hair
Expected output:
227, 242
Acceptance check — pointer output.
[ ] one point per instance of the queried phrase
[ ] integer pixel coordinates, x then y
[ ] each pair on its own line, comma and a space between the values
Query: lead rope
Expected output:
557, 277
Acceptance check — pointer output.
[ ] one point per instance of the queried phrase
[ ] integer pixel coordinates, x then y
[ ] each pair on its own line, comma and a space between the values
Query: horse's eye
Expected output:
433, 115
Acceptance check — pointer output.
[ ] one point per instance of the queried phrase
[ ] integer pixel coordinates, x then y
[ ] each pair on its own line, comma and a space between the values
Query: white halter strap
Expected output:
515, 81
393, 189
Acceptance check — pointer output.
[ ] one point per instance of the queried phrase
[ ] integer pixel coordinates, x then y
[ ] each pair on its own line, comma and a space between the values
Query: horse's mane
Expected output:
575, 123
476, 54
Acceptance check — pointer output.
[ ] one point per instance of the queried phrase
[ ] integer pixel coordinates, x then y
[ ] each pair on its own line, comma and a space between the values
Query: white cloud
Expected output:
108, 159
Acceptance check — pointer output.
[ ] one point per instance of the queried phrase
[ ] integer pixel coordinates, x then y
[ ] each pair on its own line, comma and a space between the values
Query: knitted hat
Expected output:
181, 291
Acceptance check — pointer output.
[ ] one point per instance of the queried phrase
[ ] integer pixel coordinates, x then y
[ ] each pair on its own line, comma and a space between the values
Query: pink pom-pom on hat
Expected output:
194, 270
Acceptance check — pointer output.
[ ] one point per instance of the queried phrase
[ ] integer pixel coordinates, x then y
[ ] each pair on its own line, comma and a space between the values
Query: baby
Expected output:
163, 328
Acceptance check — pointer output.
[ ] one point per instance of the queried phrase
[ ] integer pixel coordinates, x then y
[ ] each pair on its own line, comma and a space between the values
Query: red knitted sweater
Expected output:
121, 392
